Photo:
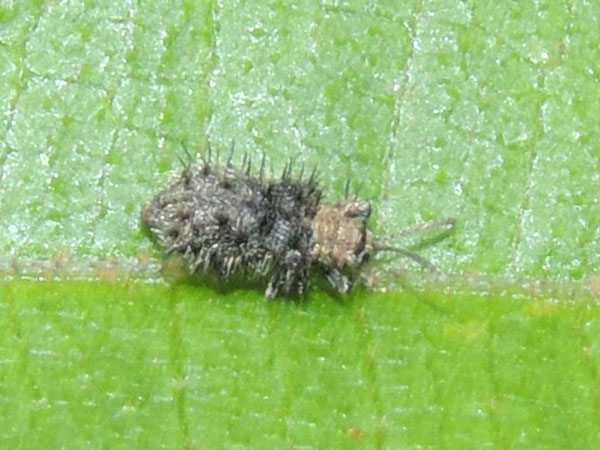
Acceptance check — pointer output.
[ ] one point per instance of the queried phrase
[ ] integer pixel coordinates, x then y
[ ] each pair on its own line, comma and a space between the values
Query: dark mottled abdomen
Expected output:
227, 220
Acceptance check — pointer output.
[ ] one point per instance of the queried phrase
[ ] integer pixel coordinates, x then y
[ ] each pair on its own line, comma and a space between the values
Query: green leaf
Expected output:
103, 365
483, 111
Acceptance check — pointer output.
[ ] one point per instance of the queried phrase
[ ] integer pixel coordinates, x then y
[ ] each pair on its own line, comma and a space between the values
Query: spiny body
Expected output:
227, 219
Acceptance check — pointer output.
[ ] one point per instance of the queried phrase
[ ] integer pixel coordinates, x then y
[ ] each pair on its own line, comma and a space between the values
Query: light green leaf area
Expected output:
479, 110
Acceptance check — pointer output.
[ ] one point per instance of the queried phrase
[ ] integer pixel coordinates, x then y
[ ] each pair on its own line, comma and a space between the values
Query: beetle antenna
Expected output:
444, 224
423, 262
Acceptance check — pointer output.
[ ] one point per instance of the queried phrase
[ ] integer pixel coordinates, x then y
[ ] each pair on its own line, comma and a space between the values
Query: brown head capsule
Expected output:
341, 240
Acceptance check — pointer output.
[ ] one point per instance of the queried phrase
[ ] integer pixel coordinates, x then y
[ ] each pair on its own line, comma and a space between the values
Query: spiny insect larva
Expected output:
227, 219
